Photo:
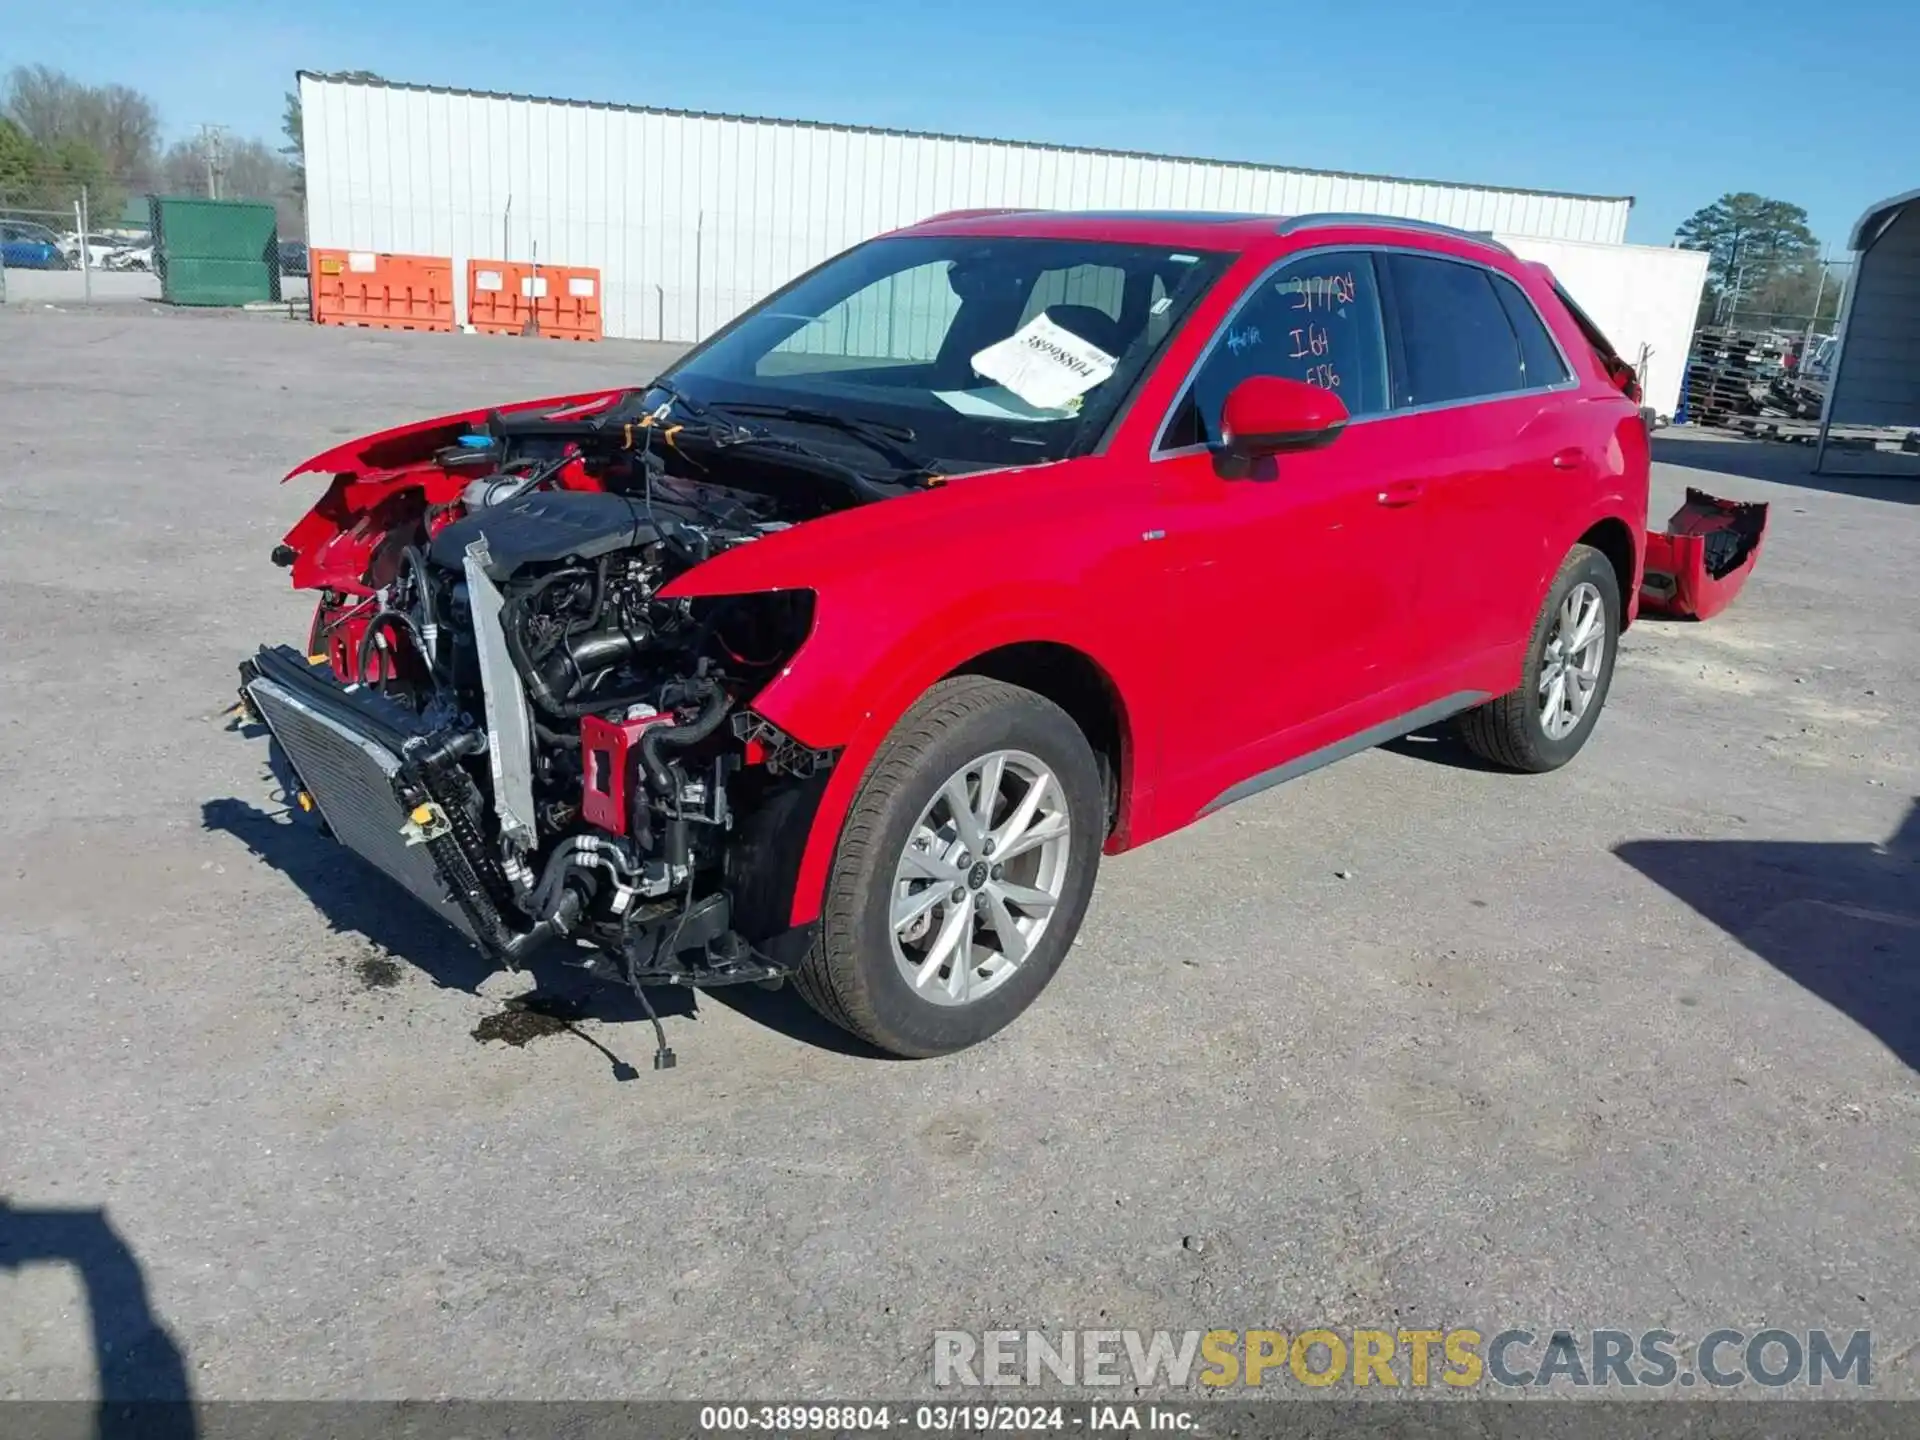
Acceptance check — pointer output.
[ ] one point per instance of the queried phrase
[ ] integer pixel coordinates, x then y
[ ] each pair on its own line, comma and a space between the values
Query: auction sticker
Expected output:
1045, 364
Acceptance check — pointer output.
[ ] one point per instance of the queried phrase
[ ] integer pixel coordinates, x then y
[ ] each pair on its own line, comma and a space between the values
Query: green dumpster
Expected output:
215, 252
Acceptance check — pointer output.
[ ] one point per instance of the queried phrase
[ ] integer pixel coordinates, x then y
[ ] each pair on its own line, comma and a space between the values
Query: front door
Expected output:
1289, 591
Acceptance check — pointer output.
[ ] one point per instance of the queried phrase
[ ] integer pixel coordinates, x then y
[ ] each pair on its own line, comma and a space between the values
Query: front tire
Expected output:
962, 873
1570, 654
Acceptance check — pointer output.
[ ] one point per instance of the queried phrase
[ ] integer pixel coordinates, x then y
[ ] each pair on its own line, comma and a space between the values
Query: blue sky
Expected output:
1818, 104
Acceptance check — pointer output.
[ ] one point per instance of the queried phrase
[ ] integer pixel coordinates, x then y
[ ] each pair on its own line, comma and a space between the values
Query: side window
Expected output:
1316, 320
1458, 343
1540, 359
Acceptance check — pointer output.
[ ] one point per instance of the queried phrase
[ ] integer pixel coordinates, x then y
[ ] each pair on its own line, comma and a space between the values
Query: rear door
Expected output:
1492, 450
1288, 592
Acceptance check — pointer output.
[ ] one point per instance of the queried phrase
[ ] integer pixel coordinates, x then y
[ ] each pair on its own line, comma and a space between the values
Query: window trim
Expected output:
1390, 325
1157, 451
1520, 290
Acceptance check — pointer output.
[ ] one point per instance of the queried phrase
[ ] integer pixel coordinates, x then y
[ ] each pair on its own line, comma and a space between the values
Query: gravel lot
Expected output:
1632, 1045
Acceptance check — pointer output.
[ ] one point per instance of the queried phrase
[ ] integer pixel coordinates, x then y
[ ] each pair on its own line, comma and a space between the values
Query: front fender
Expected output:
909, 590
848, 688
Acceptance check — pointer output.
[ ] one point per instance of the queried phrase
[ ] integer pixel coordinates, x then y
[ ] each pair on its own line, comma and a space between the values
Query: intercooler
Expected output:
350, 774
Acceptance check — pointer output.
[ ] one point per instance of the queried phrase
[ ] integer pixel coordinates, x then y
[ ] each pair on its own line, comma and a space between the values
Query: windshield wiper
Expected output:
863, 482
725, 430
880, 435
852, 424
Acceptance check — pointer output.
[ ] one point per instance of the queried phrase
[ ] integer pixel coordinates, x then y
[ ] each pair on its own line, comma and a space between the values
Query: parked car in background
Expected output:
131, 257
293, 257
26, 246
845, 649
98, 248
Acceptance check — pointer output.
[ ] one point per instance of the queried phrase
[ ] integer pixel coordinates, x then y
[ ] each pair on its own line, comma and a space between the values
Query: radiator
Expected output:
350, 777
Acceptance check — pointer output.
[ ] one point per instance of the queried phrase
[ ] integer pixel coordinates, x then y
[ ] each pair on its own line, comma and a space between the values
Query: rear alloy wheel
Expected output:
963, 871
1570, 669
1543, 724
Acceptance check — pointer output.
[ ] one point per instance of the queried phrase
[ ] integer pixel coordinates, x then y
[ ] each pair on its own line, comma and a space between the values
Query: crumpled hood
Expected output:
416, 442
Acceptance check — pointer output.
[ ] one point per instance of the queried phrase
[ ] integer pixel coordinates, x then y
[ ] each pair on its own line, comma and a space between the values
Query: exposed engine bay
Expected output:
498, 708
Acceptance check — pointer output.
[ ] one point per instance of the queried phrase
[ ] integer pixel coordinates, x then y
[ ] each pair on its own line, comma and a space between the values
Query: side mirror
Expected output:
1266, 416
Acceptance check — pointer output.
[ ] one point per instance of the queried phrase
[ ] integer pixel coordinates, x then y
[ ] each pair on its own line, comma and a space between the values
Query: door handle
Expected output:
1402, 492
1571, 458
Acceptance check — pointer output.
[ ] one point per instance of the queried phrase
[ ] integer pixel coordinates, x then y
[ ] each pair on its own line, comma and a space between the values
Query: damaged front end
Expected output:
503, 713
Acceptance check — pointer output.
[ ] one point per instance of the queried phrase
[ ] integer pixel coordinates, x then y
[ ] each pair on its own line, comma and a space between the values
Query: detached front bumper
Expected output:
1697, 565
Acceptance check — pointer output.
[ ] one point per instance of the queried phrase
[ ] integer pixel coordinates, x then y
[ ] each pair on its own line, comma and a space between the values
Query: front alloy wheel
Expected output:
981, 877
963, 870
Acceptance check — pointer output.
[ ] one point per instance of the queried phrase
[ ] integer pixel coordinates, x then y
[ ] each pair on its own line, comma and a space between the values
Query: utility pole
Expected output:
213, 148
83, 219
1806, 343
1730, 296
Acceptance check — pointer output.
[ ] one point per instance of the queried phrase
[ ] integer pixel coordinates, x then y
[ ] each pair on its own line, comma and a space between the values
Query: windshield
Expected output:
970, 350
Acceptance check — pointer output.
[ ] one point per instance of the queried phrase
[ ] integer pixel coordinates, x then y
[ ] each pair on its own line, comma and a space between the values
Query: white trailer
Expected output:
1645, 298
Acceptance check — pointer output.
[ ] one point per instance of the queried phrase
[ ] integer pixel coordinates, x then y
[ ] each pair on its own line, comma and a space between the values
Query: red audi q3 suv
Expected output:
842, 650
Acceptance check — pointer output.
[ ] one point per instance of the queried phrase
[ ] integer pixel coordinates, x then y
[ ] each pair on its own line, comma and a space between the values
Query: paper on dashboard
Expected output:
1045, 364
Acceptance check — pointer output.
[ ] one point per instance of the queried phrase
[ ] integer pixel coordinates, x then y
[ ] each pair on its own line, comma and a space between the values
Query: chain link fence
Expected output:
69, 246
74, 244
1807, 304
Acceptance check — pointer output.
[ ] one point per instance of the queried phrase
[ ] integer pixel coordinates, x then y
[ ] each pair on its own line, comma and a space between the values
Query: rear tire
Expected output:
1524, 730
888, 982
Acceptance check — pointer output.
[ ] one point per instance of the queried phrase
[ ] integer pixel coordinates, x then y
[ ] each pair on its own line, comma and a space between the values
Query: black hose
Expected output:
538, 690
376, 624
680, 737
455, 745
559, 922
573, 659
599, 599
546, 892
413, 560
565, 858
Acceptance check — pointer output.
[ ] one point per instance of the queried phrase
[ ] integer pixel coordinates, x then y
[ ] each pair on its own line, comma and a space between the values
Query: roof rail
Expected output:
1389, 222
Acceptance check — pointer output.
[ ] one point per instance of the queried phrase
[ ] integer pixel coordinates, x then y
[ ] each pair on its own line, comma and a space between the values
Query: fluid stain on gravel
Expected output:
377, 972
528, 1018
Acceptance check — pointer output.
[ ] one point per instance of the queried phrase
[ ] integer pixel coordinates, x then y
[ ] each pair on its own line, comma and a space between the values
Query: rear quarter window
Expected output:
1540, 361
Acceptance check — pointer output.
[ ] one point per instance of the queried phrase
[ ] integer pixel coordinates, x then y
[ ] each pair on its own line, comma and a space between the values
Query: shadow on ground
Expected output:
143, 1379
358, 899
1841, 920
1440, 745
1895, 478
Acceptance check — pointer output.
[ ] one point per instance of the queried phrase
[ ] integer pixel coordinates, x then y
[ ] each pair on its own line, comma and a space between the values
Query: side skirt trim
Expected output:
1340, 749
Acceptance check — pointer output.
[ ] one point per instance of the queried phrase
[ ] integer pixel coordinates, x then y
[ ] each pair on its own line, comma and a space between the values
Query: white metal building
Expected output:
1876, 380
691, 218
